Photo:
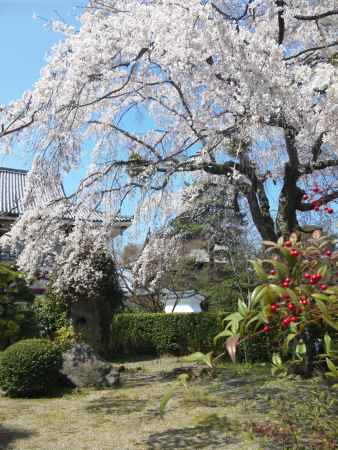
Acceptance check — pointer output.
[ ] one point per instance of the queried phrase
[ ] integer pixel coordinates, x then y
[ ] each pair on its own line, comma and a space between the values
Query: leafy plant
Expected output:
51, 315
296, 302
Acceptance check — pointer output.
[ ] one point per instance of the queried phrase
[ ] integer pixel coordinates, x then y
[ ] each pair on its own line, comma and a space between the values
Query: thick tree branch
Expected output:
319, 165
333, 12
316, 149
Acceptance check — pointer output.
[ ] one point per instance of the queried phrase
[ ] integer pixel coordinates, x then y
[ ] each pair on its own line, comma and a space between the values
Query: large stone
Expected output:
82, 367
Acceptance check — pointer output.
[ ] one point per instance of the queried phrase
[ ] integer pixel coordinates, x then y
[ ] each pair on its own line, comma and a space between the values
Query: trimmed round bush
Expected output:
30, 368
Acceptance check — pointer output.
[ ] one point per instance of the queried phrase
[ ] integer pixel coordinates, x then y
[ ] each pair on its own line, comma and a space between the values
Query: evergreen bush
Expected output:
30, 367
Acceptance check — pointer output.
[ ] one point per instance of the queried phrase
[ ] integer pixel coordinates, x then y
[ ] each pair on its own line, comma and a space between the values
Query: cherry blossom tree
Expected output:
243, 91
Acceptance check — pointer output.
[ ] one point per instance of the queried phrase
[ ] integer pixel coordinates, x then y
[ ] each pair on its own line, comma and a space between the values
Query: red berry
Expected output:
303, 301
323, 287
286, 296
274, 307
305, 197
329, 210
316, 208
272, 272
286, 321
285, 284
317, 276
316, 190
294, 252
293, 319
288, 243
291, 306
328, 253
307, 275
266, 329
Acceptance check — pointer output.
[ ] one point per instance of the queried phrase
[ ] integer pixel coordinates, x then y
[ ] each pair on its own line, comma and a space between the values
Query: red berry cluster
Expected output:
286, 310
315, 204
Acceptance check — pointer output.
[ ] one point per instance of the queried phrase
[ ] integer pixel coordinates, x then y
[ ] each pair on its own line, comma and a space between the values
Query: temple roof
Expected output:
12, 190
12, 185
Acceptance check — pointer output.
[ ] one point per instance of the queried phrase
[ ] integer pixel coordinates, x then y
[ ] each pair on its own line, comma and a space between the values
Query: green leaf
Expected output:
286, 253
262, 294
242, 308
252, 320
280, 241
209, 360
277, 360
332, 324
322, 307
327, 343
260, 272
277, 289
333, 369
288, 339
234, 316
195, 357
165, 399
183, 379
323, 271
255, 293
281, 268
300, 350
292, 294
323, 297
224, 333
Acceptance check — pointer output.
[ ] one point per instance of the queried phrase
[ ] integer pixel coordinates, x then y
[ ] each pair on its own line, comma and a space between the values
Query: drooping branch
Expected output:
320, 202
281, 22
311, 49
333, 12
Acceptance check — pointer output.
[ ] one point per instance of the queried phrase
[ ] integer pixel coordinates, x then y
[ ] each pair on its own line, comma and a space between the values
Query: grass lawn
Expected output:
242, 408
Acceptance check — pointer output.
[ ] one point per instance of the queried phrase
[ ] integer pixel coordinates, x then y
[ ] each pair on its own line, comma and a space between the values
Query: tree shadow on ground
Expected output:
189, 438
142, 379
8, 435
117, 406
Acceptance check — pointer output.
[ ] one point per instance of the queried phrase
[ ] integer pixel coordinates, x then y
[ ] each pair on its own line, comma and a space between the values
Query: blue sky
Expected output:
24, 43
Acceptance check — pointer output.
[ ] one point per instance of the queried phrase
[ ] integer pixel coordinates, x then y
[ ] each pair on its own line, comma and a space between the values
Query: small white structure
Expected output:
182, 302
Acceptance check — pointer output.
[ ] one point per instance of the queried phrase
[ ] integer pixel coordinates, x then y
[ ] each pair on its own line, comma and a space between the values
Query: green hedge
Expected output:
178, 334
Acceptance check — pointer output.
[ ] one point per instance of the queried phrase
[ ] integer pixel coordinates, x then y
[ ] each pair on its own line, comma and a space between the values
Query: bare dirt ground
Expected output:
233, 412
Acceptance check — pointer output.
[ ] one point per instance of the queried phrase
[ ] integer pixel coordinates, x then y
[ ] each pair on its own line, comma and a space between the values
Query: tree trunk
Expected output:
92, 320
290, 197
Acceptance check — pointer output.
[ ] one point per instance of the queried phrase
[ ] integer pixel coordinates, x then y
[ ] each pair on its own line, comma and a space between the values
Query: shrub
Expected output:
15, 299
50, 316
30, 367
180, 334
65, 337
296, 302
